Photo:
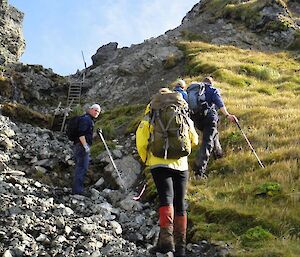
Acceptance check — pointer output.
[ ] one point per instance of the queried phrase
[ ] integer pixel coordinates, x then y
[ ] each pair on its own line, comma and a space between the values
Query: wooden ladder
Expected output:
74, 94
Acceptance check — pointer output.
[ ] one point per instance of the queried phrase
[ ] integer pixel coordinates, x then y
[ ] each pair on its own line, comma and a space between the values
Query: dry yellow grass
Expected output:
262, 90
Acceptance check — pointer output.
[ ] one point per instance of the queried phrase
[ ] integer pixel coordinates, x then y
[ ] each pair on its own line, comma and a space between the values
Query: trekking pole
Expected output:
247, 140
99, 132
136, 198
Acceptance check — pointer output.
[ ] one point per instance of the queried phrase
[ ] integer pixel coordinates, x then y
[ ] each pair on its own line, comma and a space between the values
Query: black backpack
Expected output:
72, 128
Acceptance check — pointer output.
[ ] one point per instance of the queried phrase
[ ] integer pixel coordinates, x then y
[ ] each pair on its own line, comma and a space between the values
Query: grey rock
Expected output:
12, 43
129, 172
116, 227
8, 253
130, 205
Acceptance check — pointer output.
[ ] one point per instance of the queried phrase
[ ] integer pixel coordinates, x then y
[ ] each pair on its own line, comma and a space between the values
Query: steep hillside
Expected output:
266, 25
254, 209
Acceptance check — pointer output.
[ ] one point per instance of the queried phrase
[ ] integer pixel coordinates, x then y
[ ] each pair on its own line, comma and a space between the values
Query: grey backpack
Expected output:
196, 99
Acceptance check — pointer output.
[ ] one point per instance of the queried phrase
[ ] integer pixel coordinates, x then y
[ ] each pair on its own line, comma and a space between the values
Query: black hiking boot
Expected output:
217, 151
200, 175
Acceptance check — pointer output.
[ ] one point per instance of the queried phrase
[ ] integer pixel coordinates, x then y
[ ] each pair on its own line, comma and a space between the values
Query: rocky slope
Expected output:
38, 220
41, 220
12, 43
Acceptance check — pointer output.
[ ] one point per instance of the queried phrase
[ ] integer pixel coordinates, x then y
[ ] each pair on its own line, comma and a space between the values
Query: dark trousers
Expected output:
210, 138
81, 166
171, 187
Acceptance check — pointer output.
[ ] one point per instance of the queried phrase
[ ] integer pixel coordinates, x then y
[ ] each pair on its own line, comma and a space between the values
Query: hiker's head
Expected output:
180, 83
164, 90
94, 110
208, 80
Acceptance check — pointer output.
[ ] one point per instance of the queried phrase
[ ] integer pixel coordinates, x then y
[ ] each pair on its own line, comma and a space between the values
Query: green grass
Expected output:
255, 210
121, 120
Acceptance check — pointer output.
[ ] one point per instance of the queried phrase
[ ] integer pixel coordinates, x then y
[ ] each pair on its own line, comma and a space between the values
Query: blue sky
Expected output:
56, 31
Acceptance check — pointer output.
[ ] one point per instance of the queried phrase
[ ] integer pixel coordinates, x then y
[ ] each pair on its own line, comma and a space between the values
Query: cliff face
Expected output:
12, 43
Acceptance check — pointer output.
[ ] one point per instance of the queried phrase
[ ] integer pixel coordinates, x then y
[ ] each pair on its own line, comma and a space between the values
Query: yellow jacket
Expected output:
142, 138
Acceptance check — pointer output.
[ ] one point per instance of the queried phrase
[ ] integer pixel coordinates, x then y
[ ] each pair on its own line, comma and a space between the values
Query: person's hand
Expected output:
232, 118
86, 148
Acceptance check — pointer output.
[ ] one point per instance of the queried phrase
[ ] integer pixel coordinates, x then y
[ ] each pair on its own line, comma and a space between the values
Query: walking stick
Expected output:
136, 198
99, 132
247, 140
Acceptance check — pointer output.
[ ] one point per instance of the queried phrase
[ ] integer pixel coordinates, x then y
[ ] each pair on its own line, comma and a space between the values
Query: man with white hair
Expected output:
82, 146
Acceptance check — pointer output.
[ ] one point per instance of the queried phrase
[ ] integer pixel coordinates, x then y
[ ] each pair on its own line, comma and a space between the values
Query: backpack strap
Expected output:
165, 132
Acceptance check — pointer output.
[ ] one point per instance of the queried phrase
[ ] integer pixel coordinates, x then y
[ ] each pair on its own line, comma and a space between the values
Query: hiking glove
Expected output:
86, 148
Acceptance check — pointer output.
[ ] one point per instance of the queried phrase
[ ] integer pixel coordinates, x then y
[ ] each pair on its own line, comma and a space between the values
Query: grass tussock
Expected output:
254, 209
120, 120
249, 12
21, 113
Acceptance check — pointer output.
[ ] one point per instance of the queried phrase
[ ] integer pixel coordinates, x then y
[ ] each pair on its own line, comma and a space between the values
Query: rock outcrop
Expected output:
34, 86
12, 43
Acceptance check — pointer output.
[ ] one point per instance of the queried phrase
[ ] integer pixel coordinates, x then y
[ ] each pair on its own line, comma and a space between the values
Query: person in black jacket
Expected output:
82, 146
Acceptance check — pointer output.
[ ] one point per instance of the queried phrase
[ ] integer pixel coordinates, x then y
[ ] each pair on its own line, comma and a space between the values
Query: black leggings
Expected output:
171, 187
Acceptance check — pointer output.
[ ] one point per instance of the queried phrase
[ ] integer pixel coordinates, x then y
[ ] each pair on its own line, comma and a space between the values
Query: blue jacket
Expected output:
182, 92
213, 97
85, 128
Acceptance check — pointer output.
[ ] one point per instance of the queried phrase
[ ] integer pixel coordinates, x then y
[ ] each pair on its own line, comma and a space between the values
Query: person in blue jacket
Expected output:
82, 146
208, 126
180, 88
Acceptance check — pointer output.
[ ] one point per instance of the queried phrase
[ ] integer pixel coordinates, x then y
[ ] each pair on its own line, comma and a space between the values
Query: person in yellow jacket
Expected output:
170, 177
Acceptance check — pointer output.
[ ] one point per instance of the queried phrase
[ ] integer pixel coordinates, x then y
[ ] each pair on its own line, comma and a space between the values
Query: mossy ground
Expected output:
249, 12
